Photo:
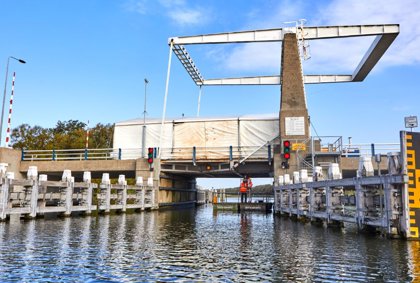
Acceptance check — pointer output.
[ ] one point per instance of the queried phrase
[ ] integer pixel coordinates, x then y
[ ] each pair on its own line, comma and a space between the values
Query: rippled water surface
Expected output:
198, 245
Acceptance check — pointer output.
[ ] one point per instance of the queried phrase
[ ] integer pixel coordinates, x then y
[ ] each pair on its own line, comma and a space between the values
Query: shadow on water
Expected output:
198, 245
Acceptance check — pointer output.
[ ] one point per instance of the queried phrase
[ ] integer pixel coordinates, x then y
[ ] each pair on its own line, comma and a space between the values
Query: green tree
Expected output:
101, 136
65, 135
27, 137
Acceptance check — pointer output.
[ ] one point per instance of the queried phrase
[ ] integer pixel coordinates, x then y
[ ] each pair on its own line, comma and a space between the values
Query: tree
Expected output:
65, 135
25, 136
101, 136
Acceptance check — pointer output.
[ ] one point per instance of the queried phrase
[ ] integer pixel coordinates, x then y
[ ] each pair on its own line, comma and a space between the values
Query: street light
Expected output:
4, 93
143, 142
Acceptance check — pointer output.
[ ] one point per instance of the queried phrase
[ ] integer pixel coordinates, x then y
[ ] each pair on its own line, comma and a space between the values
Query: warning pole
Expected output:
10, 111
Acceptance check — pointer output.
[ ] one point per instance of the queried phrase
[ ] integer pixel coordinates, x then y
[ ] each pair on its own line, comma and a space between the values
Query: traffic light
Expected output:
286, 150
150, 155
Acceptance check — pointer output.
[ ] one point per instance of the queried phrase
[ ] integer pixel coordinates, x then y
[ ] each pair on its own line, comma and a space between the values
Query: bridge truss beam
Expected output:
385, 35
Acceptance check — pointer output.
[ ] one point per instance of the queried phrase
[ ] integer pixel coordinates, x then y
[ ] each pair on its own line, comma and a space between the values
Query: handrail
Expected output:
252, 153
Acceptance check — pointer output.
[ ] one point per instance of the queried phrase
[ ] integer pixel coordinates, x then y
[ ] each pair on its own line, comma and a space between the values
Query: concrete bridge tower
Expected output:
294, 118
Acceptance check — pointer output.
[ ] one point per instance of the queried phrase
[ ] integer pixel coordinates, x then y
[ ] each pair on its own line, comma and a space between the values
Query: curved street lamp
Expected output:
4, 93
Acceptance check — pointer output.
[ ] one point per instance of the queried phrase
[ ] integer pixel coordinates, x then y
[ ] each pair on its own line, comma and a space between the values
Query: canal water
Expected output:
198, 245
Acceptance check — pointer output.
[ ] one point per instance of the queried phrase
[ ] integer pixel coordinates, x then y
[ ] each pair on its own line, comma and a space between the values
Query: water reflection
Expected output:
198, 245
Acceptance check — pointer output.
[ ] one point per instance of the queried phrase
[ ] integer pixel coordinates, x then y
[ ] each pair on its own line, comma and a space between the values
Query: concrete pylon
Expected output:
294, 118
293, 111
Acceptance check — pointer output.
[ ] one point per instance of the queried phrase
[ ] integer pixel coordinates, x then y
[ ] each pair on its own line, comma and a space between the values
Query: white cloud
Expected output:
179, 11
183, 16
172, 3
136, 6
340, 55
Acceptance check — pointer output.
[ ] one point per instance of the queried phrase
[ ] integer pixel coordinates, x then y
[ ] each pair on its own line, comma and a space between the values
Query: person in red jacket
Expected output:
246, 185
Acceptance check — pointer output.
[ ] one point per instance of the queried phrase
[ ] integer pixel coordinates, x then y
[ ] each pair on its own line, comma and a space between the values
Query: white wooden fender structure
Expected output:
35, 196
368, 201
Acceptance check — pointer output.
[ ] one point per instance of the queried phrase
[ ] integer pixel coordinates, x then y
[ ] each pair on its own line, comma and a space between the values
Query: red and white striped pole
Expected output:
10, 111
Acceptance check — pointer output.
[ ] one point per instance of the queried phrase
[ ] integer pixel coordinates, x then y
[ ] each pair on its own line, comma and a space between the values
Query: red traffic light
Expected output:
150, 151
286, 143
286, 155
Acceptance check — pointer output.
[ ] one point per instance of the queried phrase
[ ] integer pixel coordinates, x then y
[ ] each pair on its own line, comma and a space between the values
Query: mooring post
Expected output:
89, 198
4, 198
280, 199
387, 205
298, 204
311, 203
108, 198
359, 204
34, 199
153, 198
142, 197
328, 202
69, 196
124, 197
290, 200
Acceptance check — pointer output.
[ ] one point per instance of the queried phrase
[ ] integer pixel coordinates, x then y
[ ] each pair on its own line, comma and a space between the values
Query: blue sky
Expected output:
86, 60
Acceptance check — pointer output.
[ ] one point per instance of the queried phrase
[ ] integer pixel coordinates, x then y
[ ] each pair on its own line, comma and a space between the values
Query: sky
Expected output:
87, 60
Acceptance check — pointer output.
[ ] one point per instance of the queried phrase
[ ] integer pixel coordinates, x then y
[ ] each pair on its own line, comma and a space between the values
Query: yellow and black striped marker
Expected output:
412, 141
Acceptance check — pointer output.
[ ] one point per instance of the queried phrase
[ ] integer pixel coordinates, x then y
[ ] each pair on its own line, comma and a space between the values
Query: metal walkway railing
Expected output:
182, 153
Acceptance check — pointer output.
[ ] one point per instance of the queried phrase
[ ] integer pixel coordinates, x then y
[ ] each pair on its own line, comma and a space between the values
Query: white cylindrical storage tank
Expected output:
66, 175
303, 175
105, 179
121, 179
139, 181
365, 167
87, 177
150, 182
334, 171
286, 179
296, 177
318, 175
281, 180
32, 172
43, 178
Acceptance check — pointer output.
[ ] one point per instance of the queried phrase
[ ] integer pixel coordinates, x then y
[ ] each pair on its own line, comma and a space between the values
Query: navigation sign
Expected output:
411, 122
298, 146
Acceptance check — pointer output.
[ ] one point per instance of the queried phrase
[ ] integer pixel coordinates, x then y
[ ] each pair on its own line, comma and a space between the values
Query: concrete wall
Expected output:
12, 158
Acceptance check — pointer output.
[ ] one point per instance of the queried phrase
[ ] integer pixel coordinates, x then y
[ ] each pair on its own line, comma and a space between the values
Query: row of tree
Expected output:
65, 135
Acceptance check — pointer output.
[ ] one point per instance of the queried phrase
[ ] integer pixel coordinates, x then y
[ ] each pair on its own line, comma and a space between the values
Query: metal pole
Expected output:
143, 140
199, 100
4, 100
4, 93
168, 75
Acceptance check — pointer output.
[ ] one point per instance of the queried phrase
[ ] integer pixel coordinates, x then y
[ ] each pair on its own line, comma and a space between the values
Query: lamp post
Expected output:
4, 93
143, 142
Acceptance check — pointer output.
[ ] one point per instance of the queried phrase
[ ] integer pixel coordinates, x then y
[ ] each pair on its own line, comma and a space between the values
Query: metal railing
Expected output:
369, 149
181, 153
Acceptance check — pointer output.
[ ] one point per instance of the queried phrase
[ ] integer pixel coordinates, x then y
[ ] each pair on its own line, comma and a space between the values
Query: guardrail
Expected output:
264, 152
180, 153
369, 149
